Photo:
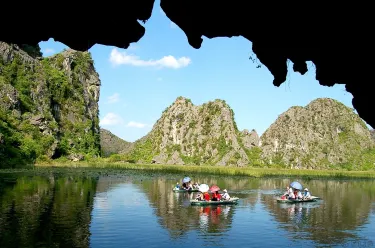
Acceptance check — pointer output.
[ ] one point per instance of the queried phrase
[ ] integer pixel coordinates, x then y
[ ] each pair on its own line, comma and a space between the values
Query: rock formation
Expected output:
111, 144
48, 106
372, 131
189, 134
322, 134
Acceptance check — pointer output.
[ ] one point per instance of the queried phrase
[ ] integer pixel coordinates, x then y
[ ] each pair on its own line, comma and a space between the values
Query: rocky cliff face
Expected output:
189, 134
323, 133
373, 134
111, 144
48, 107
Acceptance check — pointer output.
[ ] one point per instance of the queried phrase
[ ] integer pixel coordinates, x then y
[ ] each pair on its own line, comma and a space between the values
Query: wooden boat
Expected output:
232, 200
296, 201
184, 190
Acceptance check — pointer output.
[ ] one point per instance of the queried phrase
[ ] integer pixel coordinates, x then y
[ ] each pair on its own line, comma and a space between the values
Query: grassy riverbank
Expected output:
219, 170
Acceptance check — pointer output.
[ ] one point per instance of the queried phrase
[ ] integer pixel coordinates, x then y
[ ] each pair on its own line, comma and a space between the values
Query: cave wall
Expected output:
335, 37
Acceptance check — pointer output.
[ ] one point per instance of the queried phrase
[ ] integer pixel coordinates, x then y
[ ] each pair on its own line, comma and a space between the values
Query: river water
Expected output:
140, 210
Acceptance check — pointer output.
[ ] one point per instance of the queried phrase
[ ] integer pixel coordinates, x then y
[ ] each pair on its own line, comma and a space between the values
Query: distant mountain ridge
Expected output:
111, 144
324, 134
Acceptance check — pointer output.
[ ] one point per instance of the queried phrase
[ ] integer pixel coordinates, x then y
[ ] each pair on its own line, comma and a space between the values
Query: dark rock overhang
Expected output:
336, 38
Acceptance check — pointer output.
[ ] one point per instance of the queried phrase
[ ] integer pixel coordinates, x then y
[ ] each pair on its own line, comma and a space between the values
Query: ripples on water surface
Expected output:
142, 211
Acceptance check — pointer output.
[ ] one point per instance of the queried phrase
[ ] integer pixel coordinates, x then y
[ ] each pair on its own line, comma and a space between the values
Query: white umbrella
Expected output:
203, 188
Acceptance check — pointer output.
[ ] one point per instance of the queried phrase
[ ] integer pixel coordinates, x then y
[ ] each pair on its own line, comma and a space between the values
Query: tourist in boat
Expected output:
306, 194
203, 196
184, 186
177, 186
291, 196
288, 192
299, 195
195, 185
216, 196
189, 186
206, 196
225, 195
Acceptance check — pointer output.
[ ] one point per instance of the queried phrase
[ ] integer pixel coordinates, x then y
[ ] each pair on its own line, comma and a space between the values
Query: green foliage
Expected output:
48, 83
193, 124
143, 151
254, 156
58, 84
222, 147
192, 160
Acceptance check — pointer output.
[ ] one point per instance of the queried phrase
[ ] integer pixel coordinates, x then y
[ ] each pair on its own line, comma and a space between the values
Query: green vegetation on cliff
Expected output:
48, 108
189, 134
111, 144
324, 134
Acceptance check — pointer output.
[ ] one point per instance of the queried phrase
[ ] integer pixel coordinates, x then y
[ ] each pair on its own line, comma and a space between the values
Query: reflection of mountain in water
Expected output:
346, 207
46, 212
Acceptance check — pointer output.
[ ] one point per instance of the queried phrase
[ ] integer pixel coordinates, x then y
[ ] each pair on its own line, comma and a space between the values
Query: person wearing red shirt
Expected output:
206, 196
216, 196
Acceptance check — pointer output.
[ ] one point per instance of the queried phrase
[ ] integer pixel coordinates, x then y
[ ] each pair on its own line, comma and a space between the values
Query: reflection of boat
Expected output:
232, 200
184, 190
295, 201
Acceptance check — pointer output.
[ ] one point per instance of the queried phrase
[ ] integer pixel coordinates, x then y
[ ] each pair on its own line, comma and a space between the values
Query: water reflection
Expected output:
334, 220
45, 211
133, 211
176, 214
345, 208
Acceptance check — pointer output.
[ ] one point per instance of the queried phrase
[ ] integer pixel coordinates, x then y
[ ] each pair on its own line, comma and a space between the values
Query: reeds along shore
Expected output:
220, 170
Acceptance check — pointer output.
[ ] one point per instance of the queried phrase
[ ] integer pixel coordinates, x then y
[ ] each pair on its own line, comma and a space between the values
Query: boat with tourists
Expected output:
184, 190
187, 186
293, 194
232, 200
295, 200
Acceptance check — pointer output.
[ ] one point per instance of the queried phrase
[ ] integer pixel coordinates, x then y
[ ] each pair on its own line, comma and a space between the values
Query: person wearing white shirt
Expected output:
299, 195
225, 195
291, 196
307, 194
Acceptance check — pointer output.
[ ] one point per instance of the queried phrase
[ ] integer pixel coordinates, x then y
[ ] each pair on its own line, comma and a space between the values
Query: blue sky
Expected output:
140, 82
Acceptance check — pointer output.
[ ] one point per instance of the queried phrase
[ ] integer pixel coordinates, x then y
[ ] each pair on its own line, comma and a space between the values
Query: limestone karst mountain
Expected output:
323, 133
189, 134
48, 106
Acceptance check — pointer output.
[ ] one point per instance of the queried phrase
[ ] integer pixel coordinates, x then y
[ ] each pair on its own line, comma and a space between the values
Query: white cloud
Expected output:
136, 124
48, 51
159, 79
173, 25
114, 98
111, 119
122, 58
